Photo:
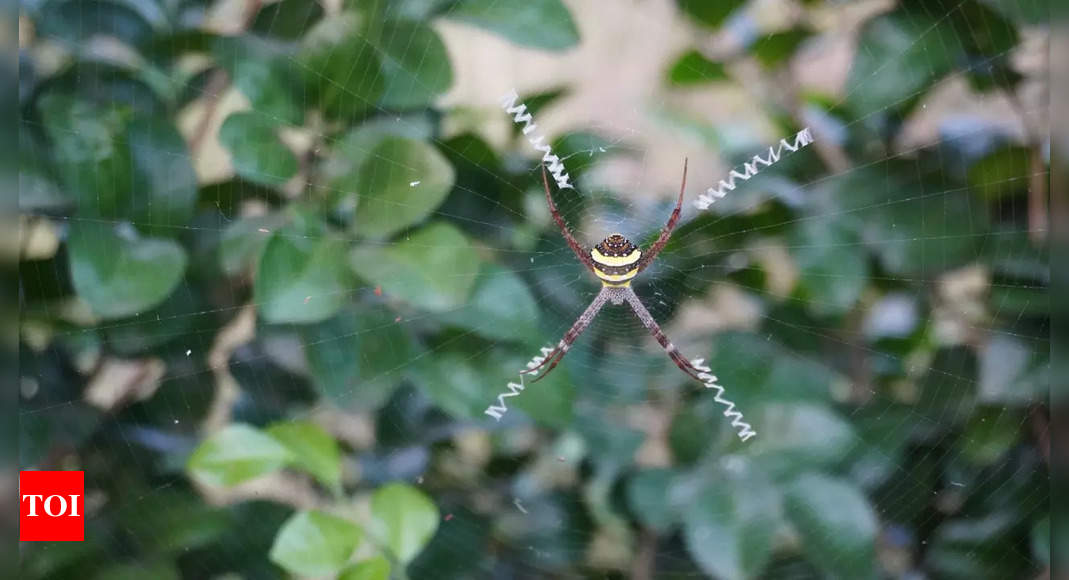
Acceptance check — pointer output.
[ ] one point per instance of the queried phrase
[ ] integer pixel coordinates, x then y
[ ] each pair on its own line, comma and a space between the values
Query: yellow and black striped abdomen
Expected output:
615, 260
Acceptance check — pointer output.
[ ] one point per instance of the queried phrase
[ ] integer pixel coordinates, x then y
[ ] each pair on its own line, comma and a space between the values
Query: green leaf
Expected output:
711, 14
900, 55
77, 21
794, 437
1002, 173
399, 185
989, 433
774, 49
833, 265
164, 183
92, 159
648, 498
415, 64
375, 568
119, 273
435, 268
342, 71
314, 543
544, 24
728, 527
235, 454
244, 240
405, 519
501, 307
836, 524
314, 450
356, 358
692, 68
455, 384
287, 19
255, 150
265, 75
302, 277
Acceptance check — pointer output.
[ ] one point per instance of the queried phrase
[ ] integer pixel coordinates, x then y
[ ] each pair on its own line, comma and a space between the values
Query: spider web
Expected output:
928, 280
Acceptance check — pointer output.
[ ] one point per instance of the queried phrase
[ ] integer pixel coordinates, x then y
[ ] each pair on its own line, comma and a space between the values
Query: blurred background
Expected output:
276, 260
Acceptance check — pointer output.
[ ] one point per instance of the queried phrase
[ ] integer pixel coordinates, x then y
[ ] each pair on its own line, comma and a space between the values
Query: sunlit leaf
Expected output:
314, 543
405, 518
235, 454
313, 449
376, 568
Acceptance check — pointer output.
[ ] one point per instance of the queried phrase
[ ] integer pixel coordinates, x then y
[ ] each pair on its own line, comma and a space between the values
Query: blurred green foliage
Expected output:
399, 276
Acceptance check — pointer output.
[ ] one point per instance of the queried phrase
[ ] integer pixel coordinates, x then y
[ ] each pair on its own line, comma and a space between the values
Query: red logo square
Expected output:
51, 506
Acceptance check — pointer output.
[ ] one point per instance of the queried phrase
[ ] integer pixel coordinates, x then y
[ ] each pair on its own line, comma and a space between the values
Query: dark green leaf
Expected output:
836, 523
356, 358
434, 268
501, 307
237, 453
728, 527
302, 277
341, 68
119, 273
314, 543
255, 150
1002, 173
404, 518
399, 184
164, 191
795, 437
544, 24
692, 68
75, 21
900, 54
989, 433
776, 48
313, 449
833, 265
648, 498
244, 240
711, 14
415, 64
266, 76
288, 19
90, 153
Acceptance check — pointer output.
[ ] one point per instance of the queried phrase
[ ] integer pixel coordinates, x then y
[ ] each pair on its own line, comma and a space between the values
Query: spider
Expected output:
615, 261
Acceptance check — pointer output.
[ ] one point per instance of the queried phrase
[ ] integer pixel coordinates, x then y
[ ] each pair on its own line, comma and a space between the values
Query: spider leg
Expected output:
655, 329
583, 256
666, 231
584, 320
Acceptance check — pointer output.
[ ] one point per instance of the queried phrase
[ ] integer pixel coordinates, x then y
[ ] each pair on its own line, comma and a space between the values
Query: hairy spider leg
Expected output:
666, 231
573, 333
579, 253
655, 329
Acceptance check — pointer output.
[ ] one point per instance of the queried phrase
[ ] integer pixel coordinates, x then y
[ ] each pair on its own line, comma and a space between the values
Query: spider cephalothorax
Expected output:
615, 261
